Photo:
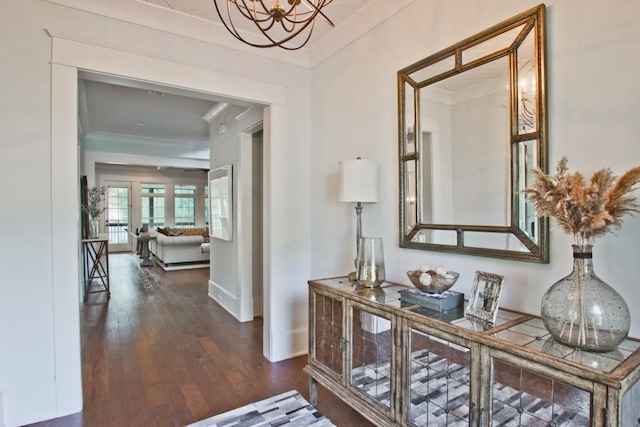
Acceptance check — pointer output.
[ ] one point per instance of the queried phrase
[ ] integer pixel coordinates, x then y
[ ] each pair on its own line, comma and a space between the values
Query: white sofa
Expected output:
172, 251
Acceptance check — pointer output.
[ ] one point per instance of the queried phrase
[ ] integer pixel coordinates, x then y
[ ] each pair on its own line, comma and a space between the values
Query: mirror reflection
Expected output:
471, 123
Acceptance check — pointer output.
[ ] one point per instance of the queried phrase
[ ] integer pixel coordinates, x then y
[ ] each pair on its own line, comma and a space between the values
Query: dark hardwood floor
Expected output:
162, 353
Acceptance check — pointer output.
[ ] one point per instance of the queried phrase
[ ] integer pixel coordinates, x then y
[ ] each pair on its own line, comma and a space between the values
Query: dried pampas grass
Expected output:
584, 209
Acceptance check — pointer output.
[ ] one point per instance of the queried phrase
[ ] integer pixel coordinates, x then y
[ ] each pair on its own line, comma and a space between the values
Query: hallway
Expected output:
162, 353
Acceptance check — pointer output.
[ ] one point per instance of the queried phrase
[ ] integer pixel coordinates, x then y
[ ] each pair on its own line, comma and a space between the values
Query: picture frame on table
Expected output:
484, 301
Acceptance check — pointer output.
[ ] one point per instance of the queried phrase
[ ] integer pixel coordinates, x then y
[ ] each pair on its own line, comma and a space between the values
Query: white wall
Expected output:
225, 149
39, 317
224, 284
231, 275
593, 62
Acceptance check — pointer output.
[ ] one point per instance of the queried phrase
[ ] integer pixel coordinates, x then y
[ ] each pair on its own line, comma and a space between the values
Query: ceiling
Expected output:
127, 120
338, 12
145, 124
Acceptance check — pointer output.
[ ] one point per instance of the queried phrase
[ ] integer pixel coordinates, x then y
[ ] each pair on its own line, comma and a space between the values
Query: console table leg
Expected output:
313, 391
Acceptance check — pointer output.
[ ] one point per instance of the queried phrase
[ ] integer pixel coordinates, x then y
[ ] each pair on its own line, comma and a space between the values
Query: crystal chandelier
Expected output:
279, 24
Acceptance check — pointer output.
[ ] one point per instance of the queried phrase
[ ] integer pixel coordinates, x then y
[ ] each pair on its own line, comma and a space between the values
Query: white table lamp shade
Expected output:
358, 181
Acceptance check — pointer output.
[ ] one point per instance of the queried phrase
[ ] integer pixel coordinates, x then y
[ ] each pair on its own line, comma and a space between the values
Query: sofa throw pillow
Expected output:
164, 230
175, 232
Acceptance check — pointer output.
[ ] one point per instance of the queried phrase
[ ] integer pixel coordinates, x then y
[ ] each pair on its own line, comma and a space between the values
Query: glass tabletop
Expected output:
532, 334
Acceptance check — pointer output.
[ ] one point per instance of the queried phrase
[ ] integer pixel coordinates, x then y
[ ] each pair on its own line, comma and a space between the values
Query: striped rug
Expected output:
286, 409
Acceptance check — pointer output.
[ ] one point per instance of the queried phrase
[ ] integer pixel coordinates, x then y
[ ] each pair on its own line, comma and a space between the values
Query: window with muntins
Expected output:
153, 205
185, 205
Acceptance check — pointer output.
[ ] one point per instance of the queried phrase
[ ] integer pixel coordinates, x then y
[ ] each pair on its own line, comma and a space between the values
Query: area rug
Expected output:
286, 409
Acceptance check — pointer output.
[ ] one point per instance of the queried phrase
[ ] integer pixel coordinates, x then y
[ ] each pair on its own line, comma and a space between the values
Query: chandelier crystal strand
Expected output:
293, 21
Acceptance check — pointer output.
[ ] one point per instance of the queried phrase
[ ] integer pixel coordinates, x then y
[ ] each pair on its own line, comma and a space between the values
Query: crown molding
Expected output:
243, 113
139, 140
214, 112
128, 49
144, 160
158, 18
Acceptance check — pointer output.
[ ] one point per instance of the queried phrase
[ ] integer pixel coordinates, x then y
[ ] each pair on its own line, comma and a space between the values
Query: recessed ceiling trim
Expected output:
242, 114
214, 112
154, 161
171, 90
139, 140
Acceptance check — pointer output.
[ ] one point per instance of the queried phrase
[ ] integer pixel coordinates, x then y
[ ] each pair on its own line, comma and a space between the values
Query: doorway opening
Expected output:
69, 58
142, 160
257, 230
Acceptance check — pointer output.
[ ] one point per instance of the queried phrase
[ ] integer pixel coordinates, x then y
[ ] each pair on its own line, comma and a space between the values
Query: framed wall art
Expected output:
221, 203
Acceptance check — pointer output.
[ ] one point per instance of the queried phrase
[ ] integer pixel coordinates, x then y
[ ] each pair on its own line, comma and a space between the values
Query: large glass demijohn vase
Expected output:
582, 311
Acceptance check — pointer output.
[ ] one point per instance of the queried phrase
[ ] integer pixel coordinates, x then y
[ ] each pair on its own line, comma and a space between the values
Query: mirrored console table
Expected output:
406, 365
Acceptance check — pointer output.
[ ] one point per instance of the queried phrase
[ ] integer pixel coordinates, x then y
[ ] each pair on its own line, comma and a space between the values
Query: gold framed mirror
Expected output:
472, 125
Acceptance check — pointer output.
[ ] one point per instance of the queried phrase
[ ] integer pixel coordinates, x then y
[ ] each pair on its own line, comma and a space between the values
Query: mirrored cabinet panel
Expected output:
327, 344
439, 385
371, 344
472, 125
525, 398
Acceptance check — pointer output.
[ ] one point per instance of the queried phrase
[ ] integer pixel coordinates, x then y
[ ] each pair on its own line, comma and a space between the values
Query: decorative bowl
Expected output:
438, 283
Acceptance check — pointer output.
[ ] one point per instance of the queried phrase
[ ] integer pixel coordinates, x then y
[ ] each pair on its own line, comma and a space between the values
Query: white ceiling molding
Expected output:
214, 112
354, 27
128, 49
110, 138
138, 160
139, 84
170, 21
243, 114
247, 91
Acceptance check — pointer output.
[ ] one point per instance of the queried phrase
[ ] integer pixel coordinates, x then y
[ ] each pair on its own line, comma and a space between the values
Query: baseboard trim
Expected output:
180, 265
289, 344
228, 301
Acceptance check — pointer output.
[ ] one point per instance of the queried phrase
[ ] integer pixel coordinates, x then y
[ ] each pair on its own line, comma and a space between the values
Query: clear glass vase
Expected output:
370, 262
94, 227
582, 311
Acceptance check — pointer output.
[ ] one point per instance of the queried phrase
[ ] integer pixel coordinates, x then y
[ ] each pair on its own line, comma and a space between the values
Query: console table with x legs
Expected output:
95, 255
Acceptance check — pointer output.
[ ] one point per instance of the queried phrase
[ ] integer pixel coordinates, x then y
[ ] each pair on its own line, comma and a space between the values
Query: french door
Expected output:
118, 216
